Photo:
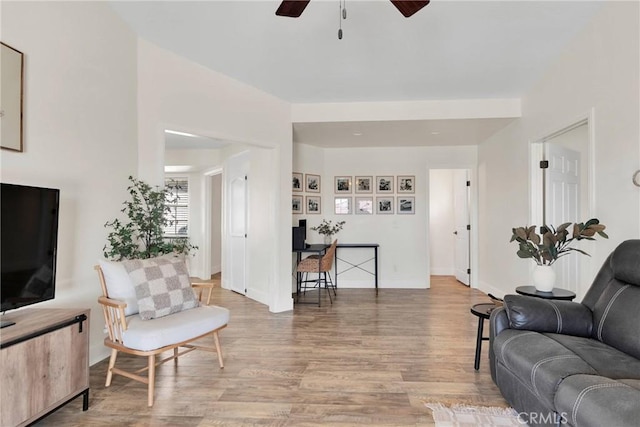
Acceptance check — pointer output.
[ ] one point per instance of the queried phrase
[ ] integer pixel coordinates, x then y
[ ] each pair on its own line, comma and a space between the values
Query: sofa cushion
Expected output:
616, 317
162, 286
539, 362
596, 401
606, 360
119, 285
624, 261
152, 334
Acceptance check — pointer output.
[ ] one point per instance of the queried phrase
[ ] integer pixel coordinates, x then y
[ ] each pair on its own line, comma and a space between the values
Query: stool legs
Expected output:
479, 339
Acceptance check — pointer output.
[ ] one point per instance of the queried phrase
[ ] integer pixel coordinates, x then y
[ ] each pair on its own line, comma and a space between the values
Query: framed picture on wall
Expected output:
343, 184
312, 183
384, 184
313, 204
12, 61
364, 206
406, 205
296, 204
364, 184
406, 184
296, 182
342, 205
384, 205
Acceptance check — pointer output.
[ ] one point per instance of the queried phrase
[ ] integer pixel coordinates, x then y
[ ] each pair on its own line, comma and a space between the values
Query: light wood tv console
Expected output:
44, 363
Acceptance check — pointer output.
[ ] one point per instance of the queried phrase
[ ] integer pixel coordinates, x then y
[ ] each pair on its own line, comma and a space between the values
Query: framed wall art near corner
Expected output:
406, 205
342, 205
312, 183
406, 184
11, 73
364, 206
342, 184
313, 205
296, 181
384, 205
297, 204
363, 184
384, 184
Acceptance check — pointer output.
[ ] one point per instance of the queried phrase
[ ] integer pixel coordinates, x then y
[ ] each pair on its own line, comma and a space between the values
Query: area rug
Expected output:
472, 416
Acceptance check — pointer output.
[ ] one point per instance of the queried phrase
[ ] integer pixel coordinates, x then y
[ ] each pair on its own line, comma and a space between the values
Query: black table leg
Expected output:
375, 256
319, 282
85, 400
479, 343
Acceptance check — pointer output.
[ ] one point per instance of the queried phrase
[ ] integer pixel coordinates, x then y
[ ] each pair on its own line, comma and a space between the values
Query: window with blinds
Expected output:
178, 203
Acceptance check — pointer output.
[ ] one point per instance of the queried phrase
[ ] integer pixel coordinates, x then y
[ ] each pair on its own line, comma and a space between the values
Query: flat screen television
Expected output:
29, 236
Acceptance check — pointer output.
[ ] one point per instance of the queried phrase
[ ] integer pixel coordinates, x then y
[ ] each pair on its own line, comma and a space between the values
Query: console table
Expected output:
44, 363
373, 246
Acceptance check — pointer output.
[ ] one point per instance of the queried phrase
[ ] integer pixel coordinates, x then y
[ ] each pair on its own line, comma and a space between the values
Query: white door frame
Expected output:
536, 153
473, 218
207, 231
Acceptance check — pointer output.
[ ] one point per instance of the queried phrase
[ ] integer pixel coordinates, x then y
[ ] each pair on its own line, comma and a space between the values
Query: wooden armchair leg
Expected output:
175, 354
151, 378
209, 296
112, 363
218, 349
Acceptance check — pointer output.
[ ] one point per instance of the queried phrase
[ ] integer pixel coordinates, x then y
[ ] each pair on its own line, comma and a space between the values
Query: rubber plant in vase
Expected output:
551, 244
328, 229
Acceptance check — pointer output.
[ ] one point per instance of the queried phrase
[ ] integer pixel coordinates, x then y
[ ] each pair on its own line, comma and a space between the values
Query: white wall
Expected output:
193, 158
441, 222
216, 223
179, 94
404, 239
599, 70
80, 131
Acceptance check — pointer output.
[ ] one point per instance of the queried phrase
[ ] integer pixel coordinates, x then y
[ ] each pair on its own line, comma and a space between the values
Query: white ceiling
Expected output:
448, 50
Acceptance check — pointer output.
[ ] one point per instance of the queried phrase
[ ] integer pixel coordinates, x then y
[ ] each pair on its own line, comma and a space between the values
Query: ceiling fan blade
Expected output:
292, 8
408, 7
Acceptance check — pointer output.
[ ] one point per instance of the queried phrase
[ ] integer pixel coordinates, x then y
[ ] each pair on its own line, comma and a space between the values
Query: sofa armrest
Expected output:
545, 315
498, 321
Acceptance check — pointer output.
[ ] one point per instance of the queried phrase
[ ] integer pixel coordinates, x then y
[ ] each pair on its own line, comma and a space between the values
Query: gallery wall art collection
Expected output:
384, 195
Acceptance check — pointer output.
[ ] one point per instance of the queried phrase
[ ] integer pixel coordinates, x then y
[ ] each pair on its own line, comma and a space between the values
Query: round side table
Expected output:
483, 311
556, 293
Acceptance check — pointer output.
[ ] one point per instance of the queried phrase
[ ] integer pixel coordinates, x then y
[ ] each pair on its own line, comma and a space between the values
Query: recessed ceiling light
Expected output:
177, 169
435, 133
175, 132
357, 134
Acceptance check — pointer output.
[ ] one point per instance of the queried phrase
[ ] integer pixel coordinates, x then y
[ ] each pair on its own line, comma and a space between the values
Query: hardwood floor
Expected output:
360, 361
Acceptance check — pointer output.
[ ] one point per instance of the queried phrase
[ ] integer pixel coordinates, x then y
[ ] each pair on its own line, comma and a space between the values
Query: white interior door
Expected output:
236, 210
462, 222
563, 205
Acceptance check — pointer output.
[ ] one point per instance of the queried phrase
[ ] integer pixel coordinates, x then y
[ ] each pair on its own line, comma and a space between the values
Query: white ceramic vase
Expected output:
544, 278
327, 239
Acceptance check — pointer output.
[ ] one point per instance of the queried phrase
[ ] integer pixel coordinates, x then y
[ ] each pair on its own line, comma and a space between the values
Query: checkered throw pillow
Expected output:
162, 286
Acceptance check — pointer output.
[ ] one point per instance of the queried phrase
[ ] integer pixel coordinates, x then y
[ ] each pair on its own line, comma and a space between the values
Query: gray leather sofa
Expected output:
570, 363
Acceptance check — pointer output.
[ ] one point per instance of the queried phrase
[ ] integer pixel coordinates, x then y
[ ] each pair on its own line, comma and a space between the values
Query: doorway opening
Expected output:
450, 223
561, 190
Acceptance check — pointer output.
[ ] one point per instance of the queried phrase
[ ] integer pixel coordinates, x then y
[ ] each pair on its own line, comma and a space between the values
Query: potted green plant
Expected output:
328, 229
551, 244
141, 235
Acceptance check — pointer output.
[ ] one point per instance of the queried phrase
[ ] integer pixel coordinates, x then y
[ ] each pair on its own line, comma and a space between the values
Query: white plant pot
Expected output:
327, 239
544, 278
